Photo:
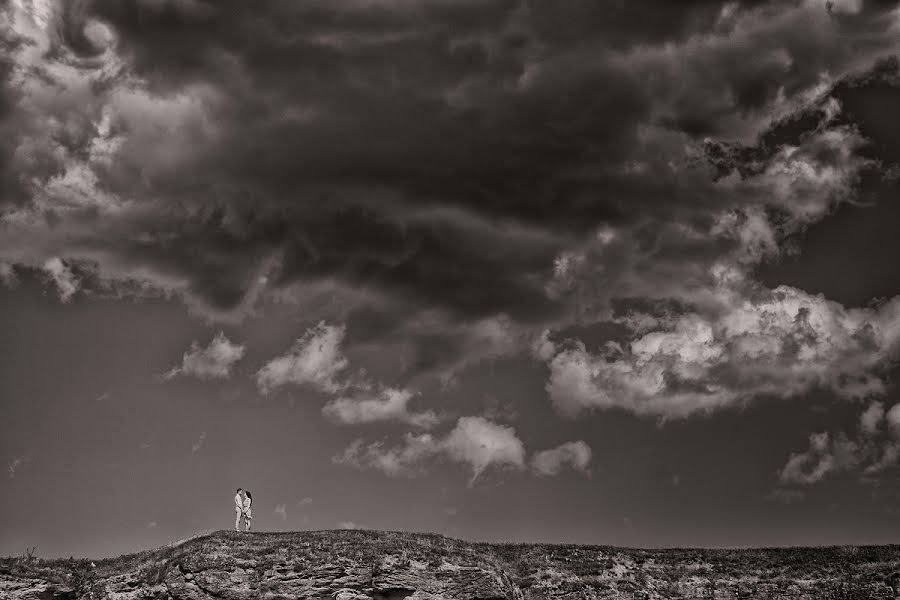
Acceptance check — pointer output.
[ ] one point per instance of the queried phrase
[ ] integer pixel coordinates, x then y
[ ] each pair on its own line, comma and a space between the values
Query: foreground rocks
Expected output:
354, 565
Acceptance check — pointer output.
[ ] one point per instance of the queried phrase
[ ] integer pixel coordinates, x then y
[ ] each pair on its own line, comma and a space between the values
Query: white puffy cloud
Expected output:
316, 360
212, 362
281, 511
747, 341
59, 273
479, 444
387, 404
575, 455
474, 442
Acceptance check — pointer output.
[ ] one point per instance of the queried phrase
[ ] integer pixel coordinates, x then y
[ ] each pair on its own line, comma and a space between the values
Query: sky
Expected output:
574, 271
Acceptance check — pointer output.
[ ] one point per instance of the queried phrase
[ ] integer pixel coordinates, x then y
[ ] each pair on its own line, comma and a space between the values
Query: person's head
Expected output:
239, 490
249, 495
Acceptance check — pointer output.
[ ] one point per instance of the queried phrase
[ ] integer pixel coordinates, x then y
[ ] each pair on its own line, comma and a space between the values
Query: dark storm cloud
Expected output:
11, 190
480, 158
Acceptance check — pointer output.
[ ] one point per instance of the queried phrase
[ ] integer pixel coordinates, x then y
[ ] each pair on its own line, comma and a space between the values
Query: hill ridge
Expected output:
376, 565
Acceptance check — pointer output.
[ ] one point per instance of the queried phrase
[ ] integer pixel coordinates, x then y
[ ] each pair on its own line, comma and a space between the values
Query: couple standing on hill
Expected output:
242, 509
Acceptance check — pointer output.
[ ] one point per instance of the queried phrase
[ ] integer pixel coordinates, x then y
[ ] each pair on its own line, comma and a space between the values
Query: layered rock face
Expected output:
357, 565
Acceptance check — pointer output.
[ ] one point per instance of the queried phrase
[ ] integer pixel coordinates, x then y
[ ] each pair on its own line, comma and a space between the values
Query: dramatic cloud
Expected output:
475, 442
449, 180
388, 405
490, 139
212, 362
575, 455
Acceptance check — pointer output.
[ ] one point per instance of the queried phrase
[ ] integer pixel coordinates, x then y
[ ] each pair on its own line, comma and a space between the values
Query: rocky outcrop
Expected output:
391, 566
343, 579
27, 588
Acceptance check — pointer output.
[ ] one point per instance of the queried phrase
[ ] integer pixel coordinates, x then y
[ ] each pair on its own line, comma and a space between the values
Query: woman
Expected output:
238, 509
248, 500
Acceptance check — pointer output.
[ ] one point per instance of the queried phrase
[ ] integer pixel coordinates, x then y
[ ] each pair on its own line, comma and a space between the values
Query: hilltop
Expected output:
363, 565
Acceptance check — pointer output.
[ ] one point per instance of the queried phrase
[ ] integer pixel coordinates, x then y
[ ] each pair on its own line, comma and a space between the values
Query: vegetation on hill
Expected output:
356, 565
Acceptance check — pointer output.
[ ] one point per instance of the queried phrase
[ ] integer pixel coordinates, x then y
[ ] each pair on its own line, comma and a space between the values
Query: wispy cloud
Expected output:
16, 465
8, 277
317, 361
873, 448
387, 404
785, 496
212, 362
195, 448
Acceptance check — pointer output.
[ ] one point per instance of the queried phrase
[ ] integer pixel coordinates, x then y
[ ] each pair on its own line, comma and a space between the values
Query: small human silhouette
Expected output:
238, 509
248, 500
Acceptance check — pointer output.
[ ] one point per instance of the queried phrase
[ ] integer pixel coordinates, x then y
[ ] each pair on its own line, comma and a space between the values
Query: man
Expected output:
238, 509
248, 514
